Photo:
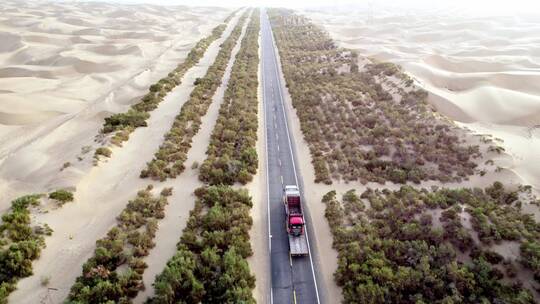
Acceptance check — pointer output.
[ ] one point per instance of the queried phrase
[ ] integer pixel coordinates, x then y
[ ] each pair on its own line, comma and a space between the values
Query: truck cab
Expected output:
296, 225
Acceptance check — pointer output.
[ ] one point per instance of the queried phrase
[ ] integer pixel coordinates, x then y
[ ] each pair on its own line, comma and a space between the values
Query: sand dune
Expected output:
483, 72
64, 66
10, 42
105, 190
22, 72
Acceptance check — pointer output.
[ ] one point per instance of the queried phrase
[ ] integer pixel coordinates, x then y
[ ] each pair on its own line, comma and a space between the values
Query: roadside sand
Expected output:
259, 263
102, 194
183, 200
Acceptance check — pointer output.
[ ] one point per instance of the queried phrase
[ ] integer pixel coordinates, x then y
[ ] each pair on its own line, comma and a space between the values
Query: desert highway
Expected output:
293, 279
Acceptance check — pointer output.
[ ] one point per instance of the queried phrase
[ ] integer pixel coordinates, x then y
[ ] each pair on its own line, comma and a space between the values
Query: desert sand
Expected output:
64, 66
482, 71
259, 263
102, 191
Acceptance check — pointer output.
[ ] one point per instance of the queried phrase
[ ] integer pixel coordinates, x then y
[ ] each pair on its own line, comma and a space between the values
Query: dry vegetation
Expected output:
114, 273
169, 160
397, 251
365, 123
232, 156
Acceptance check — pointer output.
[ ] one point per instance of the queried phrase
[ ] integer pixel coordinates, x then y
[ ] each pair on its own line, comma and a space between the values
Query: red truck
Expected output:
295, 221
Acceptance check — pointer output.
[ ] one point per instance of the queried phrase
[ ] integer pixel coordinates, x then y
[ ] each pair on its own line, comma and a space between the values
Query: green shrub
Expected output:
210, 264
103, 151
114, 272
61, 195
131, 118
45, 280
232, 156
393, 254
530, 256
20, 244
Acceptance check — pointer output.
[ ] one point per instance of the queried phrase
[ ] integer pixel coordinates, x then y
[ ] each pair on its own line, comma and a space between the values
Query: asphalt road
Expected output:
293, 279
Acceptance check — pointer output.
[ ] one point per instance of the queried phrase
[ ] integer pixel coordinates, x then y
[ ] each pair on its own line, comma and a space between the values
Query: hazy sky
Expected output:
481, 6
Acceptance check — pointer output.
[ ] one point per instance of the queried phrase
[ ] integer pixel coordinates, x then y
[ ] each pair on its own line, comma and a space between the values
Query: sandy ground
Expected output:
183, 200
259, 263
482, 71
65, 66
103, 193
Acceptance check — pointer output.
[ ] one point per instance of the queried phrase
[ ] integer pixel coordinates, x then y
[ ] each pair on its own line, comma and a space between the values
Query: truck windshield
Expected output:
296, 230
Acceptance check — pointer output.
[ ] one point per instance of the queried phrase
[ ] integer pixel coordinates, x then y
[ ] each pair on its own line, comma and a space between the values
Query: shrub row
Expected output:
114, 273
392, 253
232, 156
123, 124
210, 263
364, 123
20, 243
169, 160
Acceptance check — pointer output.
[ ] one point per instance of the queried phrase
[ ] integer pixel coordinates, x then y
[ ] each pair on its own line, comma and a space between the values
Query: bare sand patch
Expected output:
259, 263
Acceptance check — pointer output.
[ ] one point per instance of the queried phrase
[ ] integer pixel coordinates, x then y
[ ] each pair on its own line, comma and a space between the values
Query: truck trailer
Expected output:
295, 221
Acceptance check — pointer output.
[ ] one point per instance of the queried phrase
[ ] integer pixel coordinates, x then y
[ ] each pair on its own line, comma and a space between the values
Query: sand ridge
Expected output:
66, 66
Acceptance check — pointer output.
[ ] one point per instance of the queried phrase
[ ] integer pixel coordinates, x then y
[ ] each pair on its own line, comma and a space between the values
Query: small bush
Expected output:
232, 156
65, 165
62, 196
103, 151
45, 280
132, 118
167, 191
86, 149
